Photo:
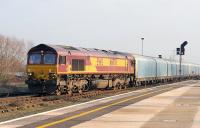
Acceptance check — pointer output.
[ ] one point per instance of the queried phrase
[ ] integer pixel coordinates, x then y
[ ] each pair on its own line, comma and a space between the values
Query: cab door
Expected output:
62, 68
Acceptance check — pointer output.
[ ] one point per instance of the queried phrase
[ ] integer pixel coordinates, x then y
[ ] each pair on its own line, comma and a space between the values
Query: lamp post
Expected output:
142, 44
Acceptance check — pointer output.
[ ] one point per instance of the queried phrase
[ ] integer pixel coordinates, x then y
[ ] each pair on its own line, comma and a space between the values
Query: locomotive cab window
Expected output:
78, 65
49, 58
62, 59
34, 58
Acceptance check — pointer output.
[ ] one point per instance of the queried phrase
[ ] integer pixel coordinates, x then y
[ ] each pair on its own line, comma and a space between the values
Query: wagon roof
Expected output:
136, 56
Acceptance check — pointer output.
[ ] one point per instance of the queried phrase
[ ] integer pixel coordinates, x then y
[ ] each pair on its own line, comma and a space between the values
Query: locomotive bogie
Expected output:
77, 85
113, 82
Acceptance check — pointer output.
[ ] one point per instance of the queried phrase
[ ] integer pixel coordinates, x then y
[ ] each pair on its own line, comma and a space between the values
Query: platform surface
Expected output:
179, 108
147, 108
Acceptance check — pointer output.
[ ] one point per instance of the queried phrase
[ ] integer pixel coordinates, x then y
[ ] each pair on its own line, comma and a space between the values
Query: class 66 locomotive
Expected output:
56, 69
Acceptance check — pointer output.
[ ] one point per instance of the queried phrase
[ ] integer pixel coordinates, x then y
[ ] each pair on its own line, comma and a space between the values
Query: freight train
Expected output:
56, 69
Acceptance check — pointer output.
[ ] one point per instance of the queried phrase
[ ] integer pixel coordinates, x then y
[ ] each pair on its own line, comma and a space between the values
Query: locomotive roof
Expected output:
62, 49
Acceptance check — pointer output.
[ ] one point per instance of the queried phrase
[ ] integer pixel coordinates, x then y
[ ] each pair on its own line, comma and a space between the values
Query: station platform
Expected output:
164, 106
179, 108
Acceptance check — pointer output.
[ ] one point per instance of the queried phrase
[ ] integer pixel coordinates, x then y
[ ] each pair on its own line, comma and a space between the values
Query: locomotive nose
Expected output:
41, 72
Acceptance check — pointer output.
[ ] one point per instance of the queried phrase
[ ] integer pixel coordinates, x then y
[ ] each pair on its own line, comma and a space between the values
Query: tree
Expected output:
12, 57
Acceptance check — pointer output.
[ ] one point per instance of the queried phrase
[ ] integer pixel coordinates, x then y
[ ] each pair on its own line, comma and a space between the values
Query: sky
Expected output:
107, 24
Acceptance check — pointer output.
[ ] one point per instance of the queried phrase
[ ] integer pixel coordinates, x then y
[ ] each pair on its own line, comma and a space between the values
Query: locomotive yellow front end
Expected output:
42, 70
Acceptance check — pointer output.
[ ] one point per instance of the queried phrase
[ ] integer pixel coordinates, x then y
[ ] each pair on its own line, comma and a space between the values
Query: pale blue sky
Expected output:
107, 24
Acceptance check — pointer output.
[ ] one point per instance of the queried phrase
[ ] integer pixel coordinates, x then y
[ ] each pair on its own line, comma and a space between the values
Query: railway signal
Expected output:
178, 51
183, 47
181, 51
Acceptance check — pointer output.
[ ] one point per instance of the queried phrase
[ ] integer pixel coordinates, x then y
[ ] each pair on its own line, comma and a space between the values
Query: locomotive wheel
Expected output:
119, 86
58, 91
115, 88
70, 93
80, 91
125, 86
86, 88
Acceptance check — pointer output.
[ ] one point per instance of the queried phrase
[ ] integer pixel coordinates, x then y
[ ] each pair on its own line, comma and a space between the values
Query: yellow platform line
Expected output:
95, 110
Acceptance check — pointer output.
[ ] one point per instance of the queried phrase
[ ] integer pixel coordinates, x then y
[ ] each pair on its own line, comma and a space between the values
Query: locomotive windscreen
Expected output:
37, 58
49, 58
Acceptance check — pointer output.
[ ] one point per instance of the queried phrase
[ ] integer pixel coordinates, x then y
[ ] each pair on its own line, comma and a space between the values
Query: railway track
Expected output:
18, 103
12, 104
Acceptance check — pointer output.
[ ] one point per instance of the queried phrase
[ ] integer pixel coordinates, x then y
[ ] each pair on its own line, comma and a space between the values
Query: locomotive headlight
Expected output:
30, 74
52, 75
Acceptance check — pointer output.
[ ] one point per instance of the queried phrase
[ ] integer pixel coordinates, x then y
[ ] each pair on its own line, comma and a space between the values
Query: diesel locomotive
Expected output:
57, 69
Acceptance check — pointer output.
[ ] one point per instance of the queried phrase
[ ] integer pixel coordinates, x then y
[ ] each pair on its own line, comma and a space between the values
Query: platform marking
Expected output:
97, 109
